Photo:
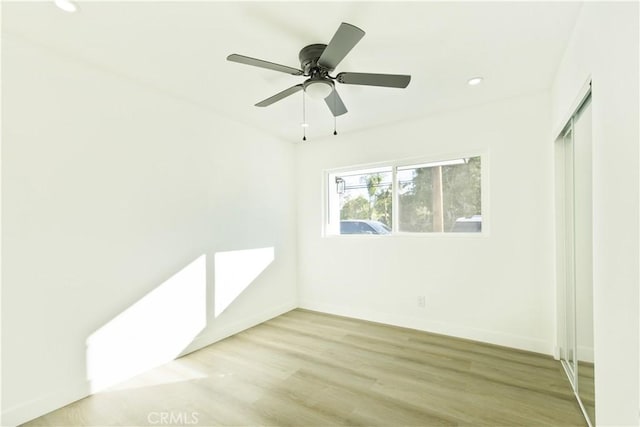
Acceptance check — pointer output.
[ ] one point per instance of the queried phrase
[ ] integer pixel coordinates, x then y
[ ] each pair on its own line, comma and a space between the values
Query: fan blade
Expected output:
335, 104
279, 96
342, 42
264, 64
385, 80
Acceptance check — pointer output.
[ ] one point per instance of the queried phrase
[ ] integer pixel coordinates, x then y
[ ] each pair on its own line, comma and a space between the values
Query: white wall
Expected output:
605, 45
497, 288
108, 190
0, 222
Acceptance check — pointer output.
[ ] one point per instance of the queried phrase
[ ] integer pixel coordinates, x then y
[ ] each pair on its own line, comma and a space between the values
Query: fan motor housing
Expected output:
309, 56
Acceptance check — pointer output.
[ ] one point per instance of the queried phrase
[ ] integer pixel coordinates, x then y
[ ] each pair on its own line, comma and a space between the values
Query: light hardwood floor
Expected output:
308, 369
586, 387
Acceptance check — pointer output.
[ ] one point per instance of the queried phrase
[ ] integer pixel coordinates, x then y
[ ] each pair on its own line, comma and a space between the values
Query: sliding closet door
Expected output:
569, 347
583, 223
574, 220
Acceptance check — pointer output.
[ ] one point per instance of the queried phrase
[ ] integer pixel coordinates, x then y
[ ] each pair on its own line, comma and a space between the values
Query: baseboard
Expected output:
585, 354
35, 408
43, 405
481, 335
214, 335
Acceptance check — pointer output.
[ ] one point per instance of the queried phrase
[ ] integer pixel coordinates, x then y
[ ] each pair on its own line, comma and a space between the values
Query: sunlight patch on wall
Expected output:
235, 271
152, 331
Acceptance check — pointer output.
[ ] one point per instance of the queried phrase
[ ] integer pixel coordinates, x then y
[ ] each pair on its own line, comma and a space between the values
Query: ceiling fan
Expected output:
316, 62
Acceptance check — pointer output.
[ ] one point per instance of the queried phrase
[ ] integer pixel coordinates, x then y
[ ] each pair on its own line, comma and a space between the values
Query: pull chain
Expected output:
304, 118
334, 109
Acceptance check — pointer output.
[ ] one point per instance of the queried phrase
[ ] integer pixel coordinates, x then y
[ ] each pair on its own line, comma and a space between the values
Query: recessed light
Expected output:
304, 125
66, 5
475, 81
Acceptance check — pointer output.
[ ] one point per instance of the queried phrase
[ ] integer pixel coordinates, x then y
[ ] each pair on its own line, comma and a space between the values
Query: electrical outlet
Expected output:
422, 301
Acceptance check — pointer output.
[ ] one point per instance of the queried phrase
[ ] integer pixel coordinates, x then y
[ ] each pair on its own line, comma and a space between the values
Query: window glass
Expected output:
440, 197
365, 196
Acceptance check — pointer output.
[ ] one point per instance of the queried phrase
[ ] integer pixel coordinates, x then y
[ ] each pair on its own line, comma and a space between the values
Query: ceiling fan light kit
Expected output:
318, 88
316, 62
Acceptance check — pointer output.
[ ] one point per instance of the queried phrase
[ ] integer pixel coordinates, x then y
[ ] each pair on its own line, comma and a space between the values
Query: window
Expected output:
440, 197
361, 201
435, 197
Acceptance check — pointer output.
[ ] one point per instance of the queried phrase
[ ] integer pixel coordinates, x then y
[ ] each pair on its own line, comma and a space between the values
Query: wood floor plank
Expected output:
306, 368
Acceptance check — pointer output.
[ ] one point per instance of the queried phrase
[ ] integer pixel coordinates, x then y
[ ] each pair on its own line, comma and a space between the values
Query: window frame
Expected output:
330, 230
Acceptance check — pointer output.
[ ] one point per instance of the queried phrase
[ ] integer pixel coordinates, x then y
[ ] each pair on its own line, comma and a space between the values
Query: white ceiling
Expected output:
180, 48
